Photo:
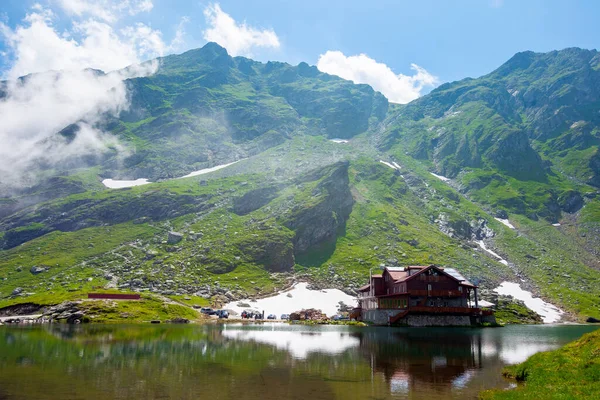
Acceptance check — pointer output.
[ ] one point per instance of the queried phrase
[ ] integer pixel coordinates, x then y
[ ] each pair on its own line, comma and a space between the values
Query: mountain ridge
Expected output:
519, 144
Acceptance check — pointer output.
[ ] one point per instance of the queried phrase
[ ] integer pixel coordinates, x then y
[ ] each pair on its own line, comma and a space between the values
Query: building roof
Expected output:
401, 276
398, 275
364, 288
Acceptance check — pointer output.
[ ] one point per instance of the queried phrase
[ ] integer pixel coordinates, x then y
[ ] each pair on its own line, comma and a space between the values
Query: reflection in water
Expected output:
298, 343
413, 358
262, 361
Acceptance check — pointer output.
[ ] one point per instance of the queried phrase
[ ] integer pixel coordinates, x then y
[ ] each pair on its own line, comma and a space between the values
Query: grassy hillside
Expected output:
571, 372
519, 144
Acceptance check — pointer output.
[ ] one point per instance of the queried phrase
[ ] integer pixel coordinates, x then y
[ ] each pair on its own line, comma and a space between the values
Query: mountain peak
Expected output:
214, 48
570, 57
211, 53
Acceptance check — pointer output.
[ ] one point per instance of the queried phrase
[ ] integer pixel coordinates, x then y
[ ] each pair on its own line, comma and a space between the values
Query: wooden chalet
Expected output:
419, 290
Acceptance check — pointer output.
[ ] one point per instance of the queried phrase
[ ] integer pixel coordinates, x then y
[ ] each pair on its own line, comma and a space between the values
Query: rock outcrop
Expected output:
327, 214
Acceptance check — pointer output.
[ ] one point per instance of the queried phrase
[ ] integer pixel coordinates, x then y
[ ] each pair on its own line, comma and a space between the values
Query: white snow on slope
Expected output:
207, 170
301, 297
482, 245
336, 140
549, 312
114, 184
298, 342
440, 177
483, 303
388, 164
505, 222
395, 164
557, 224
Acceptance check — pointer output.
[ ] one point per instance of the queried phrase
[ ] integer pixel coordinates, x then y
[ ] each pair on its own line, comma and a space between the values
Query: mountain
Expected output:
476, 175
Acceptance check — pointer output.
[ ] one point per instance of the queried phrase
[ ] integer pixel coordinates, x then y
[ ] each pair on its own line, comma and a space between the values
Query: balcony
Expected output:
437, 293
445, 310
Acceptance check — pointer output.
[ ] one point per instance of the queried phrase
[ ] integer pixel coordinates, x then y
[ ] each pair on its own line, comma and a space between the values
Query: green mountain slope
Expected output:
520, 144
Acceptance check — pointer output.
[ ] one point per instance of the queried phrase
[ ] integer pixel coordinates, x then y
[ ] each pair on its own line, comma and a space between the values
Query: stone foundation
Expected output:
381, 317
436, 320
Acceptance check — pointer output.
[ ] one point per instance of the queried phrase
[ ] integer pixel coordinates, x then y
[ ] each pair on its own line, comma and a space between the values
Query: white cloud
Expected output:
238, 39
363, 69
179, 38
106, 10
34, 109
146, 41
36, 45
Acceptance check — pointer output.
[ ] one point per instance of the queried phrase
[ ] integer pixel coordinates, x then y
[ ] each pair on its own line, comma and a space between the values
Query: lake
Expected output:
269, 361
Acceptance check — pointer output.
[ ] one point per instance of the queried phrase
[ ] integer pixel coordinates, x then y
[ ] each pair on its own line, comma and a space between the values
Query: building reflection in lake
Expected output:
422, 357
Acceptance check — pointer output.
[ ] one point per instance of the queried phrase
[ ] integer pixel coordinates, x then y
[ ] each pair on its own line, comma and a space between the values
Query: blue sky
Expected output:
449, 40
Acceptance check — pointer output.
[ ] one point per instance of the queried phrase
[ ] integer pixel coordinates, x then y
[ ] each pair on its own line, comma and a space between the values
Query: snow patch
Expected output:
207, 170
338, 140
388, 164
482, 245
557, 224
298, 342
440, 177
484, 303
452, 114
115, 184
549, 312
301, 297
505, 222
395, 165
576, 124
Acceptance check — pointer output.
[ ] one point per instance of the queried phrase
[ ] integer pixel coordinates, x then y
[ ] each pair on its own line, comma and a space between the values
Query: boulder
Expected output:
75, 318
174, 237
592, 320
17, 291
308, 314
37, 270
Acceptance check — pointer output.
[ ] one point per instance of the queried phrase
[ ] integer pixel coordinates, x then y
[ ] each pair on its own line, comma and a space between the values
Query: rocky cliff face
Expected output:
326, 216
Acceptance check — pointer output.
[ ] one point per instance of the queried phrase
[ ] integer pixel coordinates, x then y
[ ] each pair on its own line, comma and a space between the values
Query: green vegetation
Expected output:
146, 309
512, 312
571, 372
298, 206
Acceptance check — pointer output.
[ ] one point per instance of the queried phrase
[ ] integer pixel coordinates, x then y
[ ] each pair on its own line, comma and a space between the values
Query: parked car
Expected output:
285, 316
222, 313
207, 311
272, 316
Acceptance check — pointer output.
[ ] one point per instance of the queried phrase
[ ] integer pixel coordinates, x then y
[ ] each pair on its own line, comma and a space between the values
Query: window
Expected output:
460, 289
429, 286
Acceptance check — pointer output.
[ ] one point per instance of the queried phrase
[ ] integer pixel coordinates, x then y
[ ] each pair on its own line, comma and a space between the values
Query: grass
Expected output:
571, 372
146, 309
65, 255
393, 221
510, 312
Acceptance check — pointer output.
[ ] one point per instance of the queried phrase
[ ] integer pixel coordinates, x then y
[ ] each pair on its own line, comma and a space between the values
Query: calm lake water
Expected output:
270, 361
